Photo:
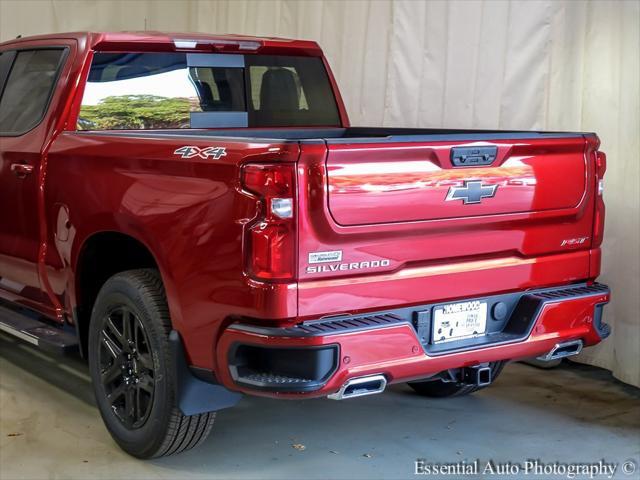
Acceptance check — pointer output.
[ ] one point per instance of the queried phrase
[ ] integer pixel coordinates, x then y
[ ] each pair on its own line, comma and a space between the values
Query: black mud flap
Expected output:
196, 396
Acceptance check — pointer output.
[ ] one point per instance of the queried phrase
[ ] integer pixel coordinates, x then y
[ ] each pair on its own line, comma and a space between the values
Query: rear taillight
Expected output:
270, 239
598, 221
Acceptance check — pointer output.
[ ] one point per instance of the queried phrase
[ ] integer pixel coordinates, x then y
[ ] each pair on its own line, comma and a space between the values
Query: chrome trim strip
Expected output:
27, 337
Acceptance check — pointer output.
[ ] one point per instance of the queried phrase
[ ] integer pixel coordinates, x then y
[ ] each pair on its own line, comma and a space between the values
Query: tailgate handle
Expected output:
473, 156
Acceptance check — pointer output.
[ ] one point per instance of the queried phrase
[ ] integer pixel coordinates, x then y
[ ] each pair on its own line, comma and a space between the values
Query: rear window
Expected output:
28, 89
183, 90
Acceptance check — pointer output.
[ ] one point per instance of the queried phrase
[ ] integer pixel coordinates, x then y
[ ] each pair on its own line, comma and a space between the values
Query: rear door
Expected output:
25, 125
388, 222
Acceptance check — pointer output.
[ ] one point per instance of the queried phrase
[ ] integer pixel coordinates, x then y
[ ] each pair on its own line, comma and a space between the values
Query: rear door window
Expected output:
28, 89
178, 90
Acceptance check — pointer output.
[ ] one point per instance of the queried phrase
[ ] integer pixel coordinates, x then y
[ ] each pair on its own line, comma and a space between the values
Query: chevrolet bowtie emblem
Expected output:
472, 192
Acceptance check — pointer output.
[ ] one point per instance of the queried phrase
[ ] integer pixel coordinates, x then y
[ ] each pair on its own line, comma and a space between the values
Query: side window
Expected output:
28, 89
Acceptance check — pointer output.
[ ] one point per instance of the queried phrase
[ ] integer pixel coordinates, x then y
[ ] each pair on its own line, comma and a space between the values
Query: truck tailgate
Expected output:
373, 185
387, 223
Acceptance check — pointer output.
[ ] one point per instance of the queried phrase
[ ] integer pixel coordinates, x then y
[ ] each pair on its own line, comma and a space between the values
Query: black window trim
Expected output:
61, 63
6, 64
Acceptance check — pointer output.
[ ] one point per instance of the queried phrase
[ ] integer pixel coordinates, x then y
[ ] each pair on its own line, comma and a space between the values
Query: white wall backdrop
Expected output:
556, 65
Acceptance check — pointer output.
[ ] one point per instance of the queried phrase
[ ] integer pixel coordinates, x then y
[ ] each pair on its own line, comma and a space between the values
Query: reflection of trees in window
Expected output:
137, 112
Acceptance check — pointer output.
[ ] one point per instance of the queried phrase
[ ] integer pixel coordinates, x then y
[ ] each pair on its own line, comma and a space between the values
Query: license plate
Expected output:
456, 321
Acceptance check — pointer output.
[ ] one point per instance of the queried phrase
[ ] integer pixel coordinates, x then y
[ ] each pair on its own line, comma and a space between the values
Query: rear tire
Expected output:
442, 389
132, 368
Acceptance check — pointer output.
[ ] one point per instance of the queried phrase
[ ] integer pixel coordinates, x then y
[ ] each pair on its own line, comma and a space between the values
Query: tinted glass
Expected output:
290, 91
176, 90
28, 89
219, 88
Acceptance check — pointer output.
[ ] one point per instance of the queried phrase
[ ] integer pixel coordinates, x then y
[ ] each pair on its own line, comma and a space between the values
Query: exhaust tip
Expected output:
359, 387
562, 350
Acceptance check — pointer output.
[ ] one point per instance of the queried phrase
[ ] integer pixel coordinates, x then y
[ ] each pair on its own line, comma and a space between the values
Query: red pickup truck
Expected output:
196, 216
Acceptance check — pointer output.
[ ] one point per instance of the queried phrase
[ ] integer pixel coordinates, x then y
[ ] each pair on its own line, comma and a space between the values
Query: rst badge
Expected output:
202, 152
570, 242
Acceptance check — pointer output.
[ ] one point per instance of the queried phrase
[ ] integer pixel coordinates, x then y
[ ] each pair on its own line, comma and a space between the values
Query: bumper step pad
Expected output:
271, 379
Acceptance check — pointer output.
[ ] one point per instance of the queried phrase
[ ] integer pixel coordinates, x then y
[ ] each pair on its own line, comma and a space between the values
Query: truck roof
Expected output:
175, 41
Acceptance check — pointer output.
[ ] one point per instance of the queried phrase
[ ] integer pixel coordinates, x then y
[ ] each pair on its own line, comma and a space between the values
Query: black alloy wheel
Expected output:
126, 366
133, 368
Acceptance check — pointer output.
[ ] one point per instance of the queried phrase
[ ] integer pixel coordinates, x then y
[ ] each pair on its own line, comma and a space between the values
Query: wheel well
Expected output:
102, 256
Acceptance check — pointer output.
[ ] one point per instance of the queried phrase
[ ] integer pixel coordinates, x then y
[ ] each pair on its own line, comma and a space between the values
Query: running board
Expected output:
41, 334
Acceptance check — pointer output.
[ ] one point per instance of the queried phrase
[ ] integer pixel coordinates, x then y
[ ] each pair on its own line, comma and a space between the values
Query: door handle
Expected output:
21, 170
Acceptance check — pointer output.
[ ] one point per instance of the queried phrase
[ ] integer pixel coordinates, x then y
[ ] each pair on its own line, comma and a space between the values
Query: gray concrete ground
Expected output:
50, 428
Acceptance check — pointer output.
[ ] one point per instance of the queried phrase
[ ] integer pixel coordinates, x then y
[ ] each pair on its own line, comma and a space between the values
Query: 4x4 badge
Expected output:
472, 192
203, 152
